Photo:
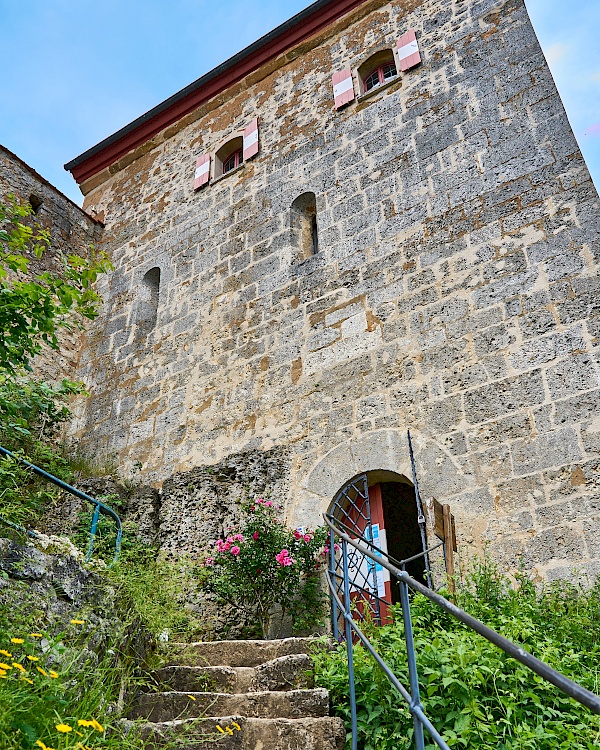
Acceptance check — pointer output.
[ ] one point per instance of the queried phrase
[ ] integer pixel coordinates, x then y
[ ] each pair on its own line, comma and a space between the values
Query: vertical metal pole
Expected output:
93, 529
421, 515
347, 618
334, 607
412, 664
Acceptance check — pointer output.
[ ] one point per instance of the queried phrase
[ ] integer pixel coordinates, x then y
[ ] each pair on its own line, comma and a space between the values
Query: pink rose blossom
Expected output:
238, 537
307, 537
268, 504
235, 551
209, 562
255, 536
283, 558
297, 534
260, 501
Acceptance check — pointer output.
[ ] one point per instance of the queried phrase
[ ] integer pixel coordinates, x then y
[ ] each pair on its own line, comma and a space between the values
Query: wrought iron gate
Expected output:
352, 511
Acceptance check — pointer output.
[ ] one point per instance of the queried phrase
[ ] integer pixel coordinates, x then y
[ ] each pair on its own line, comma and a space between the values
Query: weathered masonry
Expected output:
374, 218
72, 231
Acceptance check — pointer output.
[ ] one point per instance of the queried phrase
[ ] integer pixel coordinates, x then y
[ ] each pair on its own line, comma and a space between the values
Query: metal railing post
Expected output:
421, 516
348, 631
415, 702
100, 507
93, 529
334, 609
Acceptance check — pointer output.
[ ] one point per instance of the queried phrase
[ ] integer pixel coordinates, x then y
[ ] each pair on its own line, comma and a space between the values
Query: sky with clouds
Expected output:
75, 71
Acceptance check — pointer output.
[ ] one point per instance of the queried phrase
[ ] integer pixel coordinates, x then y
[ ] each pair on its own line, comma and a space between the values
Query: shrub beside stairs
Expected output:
266, 688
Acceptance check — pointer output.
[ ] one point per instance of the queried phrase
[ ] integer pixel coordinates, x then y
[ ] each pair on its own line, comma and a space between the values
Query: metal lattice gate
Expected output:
351, 509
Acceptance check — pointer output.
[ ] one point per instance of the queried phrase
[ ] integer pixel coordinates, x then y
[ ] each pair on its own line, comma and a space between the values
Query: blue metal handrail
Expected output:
412, 697
99, 506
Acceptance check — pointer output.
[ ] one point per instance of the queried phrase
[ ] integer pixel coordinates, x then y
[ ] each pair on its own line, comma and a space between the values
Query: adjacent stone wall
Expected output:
455, 292
71, 229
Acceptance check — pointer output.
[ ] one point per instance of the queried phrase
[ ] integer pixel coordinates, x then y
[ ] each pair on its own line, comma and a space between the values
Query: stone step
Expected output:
323, 733
292, 704
284, 673
234, 653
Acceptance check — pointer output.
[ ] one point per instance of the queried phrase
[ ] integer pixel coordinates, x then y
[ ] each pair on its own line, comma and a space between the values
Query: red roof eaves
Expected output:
113, 148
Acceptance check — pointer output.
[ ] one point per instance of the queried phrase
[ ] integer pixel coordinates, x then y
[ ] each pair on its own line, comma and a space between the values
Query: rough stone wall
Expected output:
71, 229
455, 292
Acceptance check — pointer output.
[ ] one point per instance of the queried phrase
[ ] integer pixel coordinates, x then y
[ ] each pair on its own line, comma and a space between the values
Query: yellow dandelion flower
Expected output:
32, 658
18, 666
98, 727
229, 730
84, 723
77, 622
4, 666
36, 635
5, 653
2, 674
26, 679
65, 728
42, 671
39, 743
53, 674
220, 729
17, 640
191, 697
237, 726
79, 735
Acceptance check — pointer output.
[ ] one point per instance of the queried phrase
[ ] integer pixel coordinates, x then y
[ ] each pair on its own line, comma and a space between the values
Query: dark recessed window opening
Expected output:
315, 235
379, 76
35, 202
230, 156
233, 161
304, 226
147, 312
378, 69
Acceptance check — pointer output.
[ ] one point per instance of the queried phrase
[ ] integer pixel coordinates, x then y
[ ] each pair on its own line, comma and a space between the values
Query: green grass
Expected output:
475, 695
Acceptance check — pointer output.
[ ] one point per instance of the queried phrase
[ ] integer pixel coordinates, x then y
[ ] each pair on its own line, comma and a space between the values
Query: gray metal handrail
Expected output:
412, 697
99, 506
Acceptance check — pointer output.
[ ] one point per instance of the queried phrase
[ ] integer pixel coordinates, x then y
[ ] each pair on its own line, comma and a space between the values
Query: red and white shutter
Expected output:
251, 140
343, 88
408, 51
202, 174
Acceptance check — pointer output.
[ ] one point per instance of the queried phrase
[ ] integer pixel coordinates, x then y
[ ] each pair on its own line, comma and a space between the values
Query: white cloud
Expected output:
556, 52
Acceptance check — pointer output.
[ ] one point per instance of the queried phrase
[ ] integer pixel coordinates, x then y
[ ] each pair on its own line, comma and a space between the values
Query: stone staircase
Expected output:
260, 693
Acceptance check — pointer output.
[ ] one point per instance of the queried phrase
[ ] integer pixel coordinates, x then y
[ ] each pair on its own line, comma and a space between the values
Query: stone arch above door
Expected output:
377, 451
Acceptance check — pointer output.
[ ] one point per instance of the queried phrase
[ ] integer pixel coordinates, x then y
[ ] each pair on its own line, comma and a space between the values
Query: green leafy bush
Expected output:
36, 303
475, 695
270, 572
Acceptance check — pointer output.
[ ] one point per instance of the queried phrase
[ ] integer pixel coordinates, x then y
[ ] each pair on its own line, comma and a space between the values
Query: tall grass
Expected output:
476, 696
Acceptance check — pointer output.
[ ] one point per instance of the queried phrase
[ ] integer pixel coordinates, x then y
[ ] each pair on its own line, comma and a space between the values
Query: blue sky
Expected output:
75, 71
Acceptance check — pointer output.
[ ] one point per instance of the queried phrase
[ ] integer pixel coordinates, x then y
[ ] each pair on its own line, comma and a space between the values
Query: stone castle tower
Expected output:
375, 218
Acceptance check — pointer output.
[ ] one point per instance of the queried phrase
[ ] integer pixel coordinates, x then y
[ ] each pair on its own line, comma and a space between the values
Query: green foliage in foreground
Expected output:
49, 682
475, 695
66, 680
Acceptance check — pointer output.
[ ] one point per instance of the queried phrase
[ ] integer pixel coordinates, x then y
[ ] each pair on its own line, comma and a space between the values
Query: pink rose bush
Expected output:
269, 572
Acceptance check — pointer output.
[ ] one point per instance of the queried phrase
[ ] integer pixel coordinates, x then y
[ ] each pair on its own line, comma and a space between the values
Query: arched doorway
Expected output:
380, 506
